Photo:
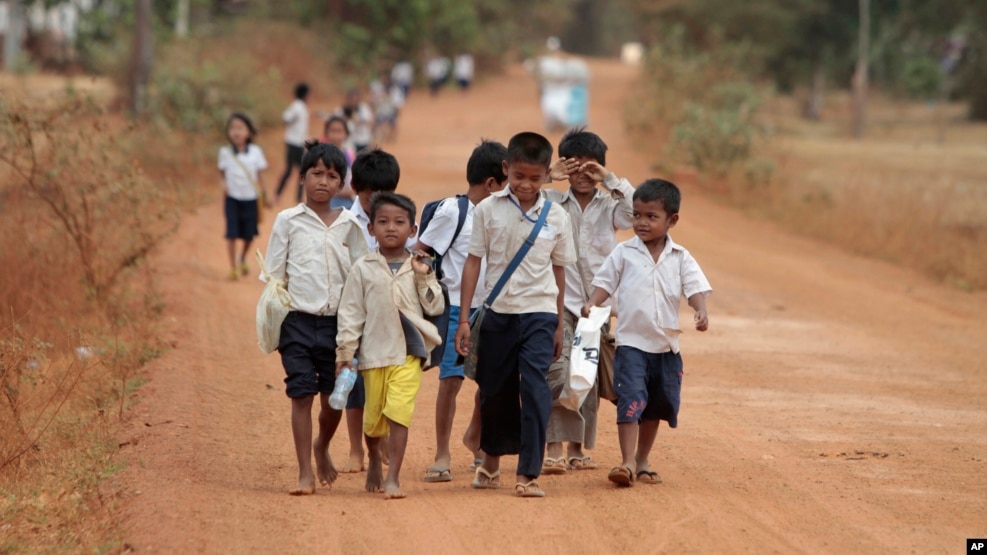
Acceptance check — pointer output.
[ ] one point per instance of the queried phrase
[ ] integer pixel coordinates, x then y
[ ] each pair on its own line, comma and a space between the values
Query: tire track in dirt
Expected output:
811, 352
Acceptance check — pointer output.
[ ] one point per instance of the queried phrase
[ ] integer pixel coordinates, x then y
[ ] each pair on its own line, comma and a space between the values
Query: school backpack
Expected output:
442, 320
428, 212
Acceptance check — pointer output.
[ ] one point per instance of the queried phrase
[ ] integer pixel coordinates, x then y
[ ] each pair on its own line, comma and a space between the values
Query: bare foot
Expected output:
393, 491
385, 447
323, 465
354, 465
375, 474
304, 488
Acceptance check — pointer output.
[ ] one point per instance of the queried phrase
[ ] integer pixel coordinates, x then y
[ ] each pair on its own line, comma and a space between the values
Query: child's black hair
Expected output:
333, 119
580, 142
531, 148
486, 161
301, 91
375, 170
246, 121
392, 198
330, 155
663, 191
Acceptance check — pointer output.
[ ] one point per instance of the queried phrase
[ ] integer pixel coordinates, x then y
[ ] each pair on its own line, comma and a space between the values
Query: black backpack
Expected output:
442, 320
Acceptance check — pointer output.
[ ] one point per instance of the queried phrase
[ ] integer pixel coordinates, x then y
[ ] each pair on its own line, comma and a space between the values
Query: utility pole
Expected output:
140, 72
12, 37
181, 19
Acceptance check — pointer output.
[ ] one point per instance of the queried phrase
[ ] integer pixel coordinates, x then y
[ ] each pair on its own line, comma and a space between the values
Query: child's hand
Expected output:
463, 343
420, 262
594, 171
702, 320
561, 168
559, 336
340, 365
585, 311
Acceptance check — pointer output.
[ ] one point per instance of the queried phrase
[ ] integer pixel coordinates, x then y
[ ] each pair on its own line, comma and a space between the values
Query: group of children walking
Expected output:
520, 265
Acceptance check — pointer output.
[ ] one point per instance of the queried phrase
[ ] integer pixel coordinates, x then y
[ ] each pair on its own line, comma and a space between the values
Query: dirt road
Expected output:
837, 405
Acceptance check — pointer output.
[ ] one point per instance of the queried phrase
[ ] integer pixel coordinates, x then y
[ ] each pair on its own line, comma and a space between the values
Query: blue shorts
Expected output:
308, 354
648, 385
241, 218
447, 366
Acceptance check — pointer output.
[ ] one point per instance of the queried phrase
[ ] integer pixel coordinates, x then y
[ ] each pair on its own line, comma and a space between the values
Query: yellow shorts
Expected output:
391, 393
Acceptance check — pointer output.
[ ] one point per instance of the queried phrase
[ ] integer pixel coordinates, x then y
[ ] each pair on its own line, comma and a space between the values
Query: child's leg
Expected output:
471, 437
445, 412
497, 378
231, 254
564, 424
301, 432
354, 426
242, 265
328, 422
627, 434
375, 467
536, 351
630, 382
647, 432
397, 444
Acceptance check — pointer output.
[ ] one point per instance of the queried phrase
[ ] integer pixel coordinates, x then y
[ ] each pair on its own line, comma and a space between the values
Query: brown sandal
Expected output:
622, 476
529, 489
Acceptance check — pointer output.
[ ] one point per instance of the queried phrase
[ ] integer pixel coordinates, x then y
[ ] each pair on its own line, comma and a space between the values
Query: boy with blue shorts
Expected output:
382, 312
485, 175
521, 332
649, 274
313, 247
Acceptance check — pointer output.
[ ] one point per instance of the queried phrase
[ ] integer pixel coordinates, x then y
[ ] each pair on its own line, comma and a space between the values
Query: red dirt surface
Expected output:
836, 405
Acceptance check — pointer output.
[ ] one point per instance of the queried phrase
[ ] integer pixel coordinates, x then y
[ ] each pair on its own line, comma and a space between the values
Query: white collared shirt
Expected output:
241, 177
439, 236
314, 259
649, 292
594, 234
499, 230
295, 118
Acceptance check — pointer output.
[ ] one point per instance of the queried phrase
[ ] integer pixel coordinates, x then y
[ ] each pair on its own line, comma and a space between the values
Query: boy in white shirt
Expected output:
485, 175
312, 247
649, 274
595, 214
522, 329
296, 120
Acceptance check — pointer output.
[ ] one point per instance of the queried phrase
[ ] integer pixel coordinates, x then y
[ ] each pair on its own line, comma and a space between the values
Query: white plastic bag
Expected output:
584, 358
272, 307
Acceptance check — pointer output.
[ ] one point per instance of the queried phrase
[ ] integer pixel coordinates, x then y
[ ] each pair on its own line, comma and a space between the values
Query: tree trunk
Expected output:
860, 75
12, 36
813, 104
181, 19
140, 73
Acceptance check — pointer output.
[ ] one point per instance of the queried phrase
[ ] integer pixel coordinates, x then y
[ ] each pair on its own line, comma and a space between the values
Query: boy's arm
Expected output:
471, 273
698, 303
559, 272
596, 298
276, 259
622, 191
606, 280
351, 316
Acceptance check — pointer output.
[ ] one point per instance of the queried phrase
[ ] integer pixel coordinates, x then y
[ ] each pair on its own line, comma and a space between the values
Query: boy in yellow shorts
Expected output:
382, 310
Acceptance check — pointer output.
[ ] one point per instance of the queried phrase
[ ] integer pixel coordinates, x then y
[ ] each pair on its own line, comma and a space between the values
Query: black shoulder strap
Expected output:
464, 207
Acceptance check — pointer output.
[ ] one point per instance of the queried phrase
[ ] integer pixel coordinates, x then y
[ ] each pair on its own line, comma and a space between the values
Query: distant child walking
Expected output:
386, 297
296, 119
240, 165
485, 176
521, 332
336, 132
649, 274
313, 247
598, 204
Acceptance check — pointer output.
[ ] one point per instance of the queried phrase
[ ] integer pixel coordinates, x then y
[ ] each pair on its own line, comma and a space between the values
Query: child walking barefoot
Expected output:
312, 247
382, 313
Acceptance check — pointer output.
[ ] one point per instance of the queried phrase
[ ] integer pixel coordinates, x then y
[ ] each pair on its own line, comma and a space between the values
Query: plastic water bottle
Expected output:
344, 384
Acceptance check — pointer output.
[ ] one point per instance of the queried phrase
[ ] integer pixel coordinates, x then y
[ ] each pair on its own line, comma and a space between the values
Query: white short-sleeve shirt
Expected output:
295, 118
649, 292
241, 177
439, 237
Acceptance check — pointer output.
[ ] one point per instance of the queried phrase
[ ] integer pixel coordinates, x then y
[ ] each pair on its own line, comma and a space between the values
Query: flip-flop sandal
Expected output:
553, 466
492, 479
435, 474
582, 463
648, 477
529, 489
622, 476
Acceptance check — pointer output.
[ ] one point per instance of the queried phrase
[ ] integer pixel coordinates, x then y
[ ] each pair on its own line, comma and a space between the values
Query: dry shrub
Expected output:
77, 310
